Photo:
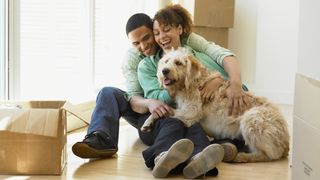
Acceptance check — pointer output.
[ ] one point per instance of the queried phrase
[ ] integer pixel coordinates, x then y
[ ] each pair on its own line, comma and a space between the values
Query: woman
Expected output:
172, 24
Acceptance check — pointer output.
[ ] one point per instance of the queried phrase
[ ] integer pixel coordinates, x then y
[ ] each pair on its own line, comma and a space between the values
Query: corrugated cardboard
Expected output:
306, 129
33, 137
84, 109
216, 35
211, 13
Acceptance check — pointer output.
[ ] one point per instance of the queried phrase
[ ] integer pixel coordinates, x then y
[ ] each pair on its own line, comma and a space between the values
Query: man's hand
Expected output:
208, 89
158, 108
238, 102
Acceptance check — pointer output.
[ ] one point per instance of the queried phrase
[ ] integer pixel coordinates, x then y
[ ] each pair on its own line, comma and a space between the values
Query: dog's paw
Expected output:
146, 128
241, 158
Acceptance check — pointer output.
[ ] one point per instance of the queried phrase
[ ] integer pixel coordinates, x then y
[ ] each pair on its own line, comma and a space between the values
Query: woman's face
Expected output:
167, 36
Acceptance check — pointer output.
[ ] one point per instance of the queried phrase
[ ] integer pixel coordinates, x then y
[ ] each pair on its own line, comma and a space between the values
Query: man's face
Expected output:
142, 39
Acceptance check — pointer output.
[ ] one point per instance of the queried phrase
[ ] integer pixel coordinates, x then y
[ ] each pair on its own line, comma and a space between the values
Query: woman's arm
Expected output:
147, 76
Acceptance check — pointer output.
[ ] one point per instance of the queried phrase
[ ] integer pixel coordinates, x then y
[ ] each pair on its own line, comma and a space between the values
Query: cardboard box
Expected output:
306, 129
211, 13
216, 35
78, 116
33, 138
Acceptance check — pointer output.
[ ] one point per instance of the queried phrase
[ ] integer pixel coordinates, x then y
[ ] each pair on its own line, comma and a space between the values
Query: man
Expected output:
112, 103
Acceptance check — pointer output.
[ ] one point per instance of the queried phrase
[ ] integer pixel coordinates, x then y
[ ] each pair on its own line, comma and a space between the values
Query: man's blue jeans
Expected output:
111, 104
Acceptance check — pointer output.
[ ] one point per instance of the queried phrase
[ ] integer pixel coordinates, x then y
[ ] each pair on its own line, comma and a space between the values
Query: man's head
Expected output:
139, 31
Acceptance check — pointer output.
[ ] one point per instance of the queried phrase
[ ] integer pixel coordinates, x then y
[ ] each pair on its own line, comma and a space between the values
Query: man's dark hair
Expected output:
138, 20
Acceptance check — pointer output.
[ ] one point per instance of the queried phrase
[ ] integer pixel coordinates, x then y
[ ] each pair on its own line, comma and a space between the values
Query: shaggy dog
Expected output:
261, 126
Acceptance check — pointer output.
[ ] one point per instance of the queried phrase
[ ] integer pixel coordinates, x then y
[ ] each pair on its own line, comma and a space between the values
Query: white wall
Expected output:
265, 38
242, 37
309, 38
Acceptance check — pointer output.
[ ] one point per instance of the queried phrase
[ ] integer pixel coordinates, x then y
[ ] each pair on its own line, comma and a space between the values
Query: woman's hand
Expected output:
208, 89
238, 101
158, 108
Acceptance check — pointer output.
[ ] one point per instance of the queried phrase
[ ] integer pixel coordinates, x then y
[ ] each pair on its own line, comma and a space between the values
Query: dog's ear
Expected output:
193, 70
160, 80
159, 72
160, 77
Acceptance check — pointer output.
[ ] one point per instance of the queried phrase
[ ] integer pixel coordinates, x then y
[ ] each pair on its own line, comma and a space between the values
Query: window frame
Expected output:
4, 50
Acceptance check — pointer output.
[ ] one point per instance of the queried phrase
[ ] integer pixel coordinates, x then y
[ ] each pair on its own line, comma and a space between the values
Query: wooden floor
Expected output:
129, 164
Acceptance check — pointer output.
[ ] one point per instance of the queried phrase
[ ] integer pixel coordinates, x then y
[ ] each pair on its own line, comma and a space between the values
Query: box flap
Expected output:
44, 104
11, 112
30, 121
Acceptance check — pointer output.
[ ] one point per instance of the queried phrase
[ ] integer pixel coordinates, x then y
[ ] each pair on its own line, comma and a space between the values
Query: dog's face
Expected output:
177, 69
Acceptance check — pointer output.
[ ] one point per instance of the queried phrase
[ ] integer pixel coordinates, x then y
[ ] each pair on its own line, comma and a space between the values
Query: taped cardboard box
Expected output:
306, 129
211, 13
217, 35
33, 137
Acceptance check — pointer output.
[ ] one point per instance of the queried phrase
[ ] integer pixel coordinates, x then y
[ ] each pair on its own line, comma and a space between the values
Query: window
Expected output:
52, 53
3, 52
110, 40
70, 49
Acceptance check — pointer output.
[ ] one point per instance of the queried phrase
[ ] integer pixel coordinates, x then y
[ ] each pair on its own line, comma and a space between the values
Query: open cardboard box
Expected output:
306, 129
33, 136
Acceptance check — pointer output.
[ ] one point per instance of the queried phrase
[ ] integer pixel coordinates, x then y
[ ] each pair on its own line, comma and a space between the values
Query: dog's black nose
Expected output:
165, 71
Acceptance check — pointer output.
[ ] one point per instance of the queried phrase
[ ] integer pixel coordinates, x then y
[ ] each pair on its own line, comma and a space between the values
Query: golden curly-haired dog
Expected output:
262, 126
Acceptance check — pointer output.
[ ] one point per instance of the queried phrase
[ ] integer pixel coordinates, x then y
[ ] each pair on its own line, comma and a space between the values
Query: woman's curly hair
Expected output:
175, 15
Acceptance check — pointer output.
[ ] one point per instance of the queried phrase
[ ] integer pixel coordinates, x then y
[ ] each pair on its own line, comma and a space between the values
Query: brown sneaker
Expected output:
179, 152
204, 161
230, 152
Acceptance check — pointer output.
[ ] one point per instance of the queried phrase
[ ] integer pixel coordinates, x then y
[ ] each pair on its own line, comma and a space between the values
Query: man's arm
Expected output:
157, 108
234, 92
138, 104
129, 71
227, 60
211, 49
232, 67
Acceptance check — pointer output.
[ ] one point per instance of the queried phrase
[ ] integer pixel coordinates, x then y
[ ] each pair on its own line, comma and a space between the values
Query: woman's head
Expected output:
169, 25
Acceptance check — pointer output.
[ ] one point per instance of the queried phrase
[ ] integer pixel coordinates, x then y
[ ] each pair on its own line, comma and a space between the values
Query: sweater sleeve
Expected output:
213, 50
147, 75
129, 71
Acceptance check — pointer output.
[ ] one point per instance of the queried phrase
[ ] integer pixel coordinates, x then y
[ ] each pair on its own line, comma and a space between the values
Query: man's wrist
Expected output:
236, 84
